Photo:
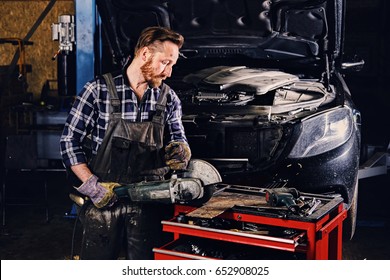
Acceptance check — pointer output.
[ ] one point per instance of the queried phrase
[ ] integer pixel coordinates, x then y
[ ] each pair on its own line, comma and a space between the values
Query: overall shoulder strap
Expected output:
112, 94
161, 104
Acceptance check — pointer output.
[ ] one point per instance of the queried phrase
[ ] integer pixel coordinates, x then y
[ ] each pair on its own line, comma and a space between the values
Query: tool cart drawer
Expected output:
243, 233
195, 248
178, 250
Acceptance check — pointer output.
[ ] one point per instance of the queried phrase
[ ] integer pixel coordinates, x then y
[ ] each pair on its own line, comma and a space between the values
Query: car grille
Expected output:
260, 146
256, 145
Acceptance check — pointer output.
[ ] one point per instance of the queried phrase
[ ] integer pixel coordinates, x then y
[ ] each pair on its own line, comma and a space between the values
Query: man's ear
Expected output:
145, 53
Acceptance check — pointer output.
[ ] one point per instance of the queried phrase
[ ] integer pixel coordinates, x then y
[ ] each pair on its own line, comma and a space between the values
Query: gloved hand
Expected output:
177, 155
101, 194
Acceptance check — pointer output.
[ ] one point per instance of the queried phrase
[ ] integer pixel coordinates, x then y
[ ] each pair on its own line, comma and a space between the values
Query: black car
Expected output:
263, 97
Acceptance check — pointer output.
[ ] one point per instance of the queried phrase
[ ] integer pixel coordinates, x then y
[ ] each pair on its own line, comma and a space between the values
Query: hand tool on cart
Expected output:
283, 197
313, 205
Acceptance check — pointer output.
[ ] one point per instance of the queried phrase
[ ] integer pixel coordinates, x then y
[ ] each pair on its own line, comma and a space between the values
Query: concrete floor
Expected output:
28, 236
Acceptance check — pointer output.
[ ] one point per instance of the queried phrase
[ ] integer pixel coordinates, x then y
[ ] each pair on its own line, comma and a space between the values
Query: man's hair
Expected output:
155, 35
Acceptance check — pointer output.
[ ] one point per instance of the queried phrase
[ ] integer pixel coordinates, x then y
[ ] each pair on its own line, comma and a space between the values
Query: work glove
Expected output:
101, 194
177, 155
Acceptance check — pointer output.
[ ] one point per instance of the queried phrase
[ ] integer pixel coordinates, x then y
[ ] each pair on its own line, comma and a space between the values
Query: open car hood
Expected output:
306, 31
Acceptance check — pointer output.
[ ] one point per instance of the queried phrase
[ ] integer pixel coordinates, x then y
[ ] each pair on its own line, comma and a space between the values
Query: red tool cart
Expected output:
237, 223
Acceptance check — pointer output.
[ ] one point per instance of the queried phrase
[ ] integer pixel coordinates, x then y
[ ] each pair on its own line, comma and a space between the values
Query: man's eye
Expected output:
165, 63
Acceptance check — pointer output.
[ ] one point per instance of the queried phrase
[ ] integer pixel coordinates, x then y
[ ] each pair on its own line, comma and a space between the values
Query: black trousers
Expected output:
126, 228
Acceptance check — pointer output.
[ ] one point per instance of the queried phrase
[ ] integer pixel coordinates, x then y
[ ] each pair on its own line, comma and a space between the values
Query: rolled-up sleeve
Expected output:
79, 123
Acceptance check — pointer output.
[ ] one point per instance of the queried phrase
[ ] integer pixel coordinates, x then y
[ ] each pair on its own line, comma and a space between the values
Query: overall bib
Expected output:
130, 152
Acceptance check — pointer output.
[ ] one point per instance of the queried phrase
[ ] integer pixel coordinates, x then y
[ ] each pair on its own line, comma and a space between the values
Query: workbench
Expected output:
248, 230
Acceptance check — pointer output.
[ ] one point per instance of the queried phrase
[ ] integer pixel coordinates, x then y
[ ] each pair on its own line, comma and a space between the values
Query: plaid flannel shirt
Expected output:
90, 114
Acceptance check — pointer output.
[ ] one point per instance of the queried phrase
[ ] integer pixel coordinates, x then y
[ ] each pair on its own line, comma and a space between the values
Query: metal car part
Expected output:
240, 78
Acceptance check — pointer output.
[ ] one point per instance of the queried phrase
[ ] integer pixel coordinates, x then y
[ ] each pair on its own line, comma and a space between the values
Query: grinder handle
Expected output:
121, 191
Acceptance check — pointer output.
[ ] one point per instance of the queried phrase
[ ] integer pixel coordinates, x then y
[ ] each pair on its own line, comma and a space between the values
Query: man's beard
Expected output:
147, 71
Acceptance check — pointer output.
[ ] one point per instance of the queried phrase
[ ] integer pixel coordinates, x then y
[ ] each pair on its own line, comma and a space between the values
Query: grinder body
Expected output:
167, 191
194, 183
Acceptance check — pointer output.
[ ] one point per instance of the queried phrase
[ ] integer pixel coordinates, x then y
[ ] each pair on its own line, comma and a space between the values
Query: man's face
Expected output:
159, 64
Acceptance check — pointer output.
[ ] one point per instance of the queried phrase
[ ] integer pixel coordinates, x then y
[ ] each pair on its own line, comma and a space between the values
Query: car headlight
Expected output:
323, 132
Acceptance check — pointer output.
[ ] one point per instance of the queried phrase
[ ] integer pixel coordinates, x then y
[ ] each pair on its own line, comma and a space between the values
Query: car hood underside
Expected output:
306, 30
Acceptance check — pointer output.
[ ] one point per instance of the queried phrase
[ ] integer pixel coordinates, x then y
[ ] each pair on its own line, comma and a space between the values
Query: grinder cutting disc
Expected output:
205, 172
202, 170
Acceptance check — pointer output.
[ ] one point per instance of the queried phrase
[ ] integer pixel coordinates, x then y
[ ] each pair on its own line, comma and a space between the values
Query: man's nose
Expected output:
167, 71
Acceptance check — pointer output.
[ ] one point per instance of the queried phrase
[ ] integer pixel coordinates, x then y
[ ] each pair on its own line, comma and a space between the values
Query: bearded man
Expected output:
123, 117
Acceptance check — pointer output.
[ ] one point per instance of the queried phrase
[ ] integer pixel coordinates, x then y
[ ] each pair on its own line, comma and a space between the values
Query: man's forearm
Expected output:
81, 171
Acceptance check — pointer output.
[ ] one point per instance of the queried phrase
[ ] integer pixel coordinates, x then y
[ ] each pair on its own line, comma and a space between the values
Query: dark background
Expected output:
367, 35
367, 32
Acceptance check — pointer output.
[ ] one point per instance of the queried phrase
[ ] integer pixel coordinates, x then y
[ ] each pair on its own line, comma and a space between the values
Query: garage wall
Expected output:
16, 20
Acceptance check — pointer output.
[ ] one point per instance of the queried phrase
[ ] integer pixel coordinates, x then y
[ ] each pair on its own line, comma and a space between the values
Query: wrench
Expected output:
310, 211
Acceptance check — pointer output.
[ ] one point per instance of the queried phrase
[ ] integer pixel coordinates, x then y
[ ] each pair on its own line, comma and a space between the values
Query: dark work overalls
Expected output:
130, 152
